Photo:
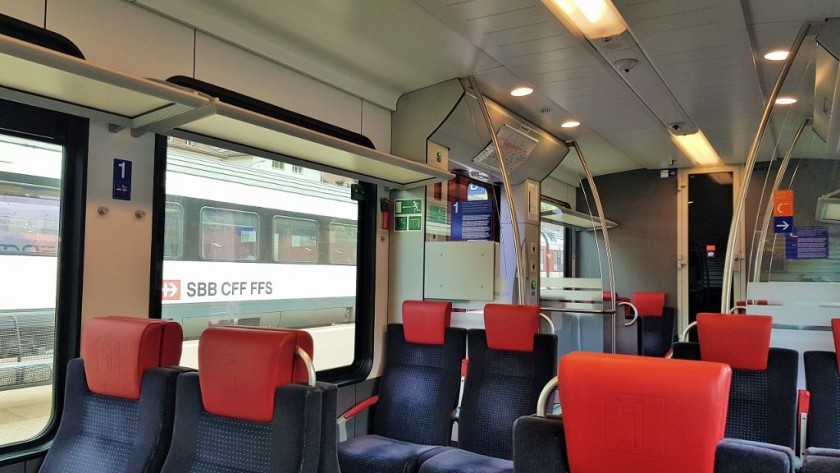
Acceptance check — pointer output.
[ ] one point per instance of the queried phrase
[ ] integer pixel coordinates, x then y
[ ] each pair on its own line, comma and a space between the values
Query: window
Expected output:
343, 243
278, 165
552, 244
229, 235
297, 169
30, 206
173, 237
295, 240
269, 249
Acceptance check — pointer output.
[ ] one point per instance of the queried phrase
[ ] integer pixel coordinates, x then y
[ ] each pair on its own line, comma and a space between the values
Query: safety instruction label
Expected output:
807, 243
408, 215
472, 220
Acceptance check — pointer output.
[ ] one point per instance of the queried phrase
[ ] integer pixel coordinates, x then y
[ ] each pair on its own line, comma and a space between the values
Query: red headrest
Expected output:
118, 350
241, 368
303, 340
835, 329
649, 304
741, 341
623, 413
426, 321
511, 327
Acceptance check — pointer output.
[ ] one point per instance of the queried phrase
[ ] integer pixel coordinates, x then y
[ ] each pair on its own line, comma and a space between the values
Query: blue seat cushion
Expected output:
374, 453
454, 460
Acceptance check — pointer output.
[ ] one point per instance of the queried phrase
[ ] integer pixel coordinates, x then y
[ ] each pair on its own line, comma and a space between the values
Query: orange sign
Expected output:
783, 203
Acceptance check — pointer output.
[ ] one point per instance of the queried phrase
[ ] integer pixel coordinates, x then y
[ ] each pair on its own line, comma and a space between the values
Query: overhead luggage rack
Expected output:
44, 78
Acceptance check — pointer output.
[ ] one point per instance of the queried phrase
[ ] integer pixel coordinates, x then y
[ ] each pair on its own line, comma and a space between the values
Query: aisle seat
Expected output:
242, 411
510, 362
418, 391
655, 325
622, 414
762, 406
822, 376
119, 401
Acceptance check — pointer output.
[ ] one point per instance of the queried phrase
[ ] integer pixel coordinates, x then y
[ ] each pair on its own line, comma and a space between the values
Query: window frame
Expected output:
231, 260
274, 247
330, 243
180, 232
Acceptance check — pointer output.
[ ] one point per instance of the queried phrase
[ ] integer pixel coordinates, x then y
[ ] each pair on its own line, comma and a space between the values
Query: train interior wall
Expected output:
125, 37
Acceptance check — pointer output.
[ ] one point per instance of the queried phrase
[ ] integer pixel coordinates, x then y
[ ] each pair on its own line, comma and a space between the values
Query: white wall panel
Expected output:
231, 67
30, 11
117, 245
376, 125
125, 37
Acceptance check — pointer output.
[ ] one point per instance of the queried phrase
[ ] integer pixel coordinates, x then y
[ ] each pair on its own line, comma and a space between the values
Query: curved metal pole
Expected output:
517, 243
550, 323
546, 393
635, 312
307, 360
607, 247
684, 336
768, 214
750, 165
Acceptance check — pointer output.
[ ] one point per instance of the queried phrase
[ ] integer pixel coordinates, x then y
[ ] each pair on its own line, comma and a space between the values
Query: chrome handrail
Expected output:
307, 360
635, 312
546, 393
684, 335
550, 323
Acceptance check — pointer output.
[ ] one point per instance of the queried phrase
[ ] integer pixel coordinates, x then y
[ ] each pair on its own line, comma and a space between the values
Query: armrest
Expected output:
821, 460
539, 445
804, 408
744, 456
353, 412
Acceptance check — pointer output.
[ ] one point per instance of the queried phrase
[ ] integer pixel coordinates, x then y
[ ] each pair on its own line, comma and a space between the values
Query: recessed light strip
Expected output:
697, 148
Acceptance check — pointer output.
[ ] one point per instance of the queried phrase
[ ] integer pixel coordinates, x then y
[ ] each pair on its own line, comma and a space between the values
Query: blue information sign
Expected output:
472, 220
807, 243
783, 225
122, 179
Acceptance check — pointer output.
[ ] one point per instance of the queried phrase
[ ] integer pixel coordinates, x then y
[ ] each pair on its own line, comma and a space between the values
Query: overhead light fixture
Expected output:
595, 19
697, 148
570, 124
521, 91
778, 55
828, 208
785, 101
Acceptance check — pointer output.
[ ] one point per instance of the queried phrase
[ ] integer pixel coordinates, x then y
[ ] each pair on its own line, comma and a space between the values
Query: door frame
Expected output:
739, 275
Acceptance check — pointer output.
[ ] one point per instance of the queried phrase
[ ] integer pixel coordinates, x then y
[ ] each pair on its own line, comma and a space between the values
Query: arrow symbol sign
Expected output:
783, 225
171, 289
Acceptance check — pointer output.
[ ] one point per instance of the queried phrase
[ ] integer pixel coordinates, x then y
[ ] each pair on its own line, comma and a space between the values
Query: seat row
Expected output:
245, 410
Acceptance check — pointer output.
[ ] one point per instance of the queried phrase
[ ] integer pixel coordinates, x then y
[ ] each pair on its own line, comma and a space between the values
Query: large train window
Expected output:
263, 245
295, 240
552, 245
30, 206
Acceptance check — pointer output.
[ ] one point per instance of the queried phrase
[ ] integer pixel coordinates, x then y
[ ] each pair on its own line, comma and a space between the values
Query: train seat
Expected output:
119, 400
655, 325
510, 362
242, 411
822, 376
412, 414
762, 404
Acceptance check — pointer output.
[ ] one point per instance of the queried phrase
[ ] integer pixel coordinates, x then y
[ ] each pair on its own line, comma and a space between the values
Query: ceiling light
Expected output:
521, 91
697, 148
596, 19
570, 124
785, 101
778, 55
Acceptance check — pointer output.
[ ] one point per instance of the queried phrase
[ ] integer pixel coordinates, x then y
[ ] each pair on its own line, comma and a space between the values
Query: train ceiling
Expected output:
708, 54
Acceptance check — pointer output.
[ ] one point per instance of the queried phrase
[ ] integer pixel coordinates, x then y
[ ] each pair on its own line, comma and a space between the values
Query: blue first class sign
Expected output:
472, 220
122, 179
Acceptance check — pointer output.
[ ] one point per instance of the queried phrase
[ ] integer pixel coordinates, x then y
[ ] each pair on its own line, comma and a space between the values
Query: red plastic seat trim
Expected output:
425, 322
835, 330
118, 350
627, 414
741, 341
240, 370
649, 304
511, 327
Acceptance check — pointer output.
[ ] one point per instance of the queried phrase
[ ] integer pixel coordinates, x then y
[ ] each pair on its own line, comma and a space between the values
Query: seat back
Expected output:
119, 401
631, 414
823, 379
420, 383
510, 362
241, 411
762, 404
655, 324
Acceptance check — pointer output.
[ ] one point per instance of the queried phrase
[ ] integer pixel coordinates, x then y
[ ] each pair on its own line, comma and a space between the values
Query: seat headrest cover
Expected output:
426, 321
118, 350
623, 414
741, 341
835, 329
511, 327
649, 304
303, 340
240, 370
